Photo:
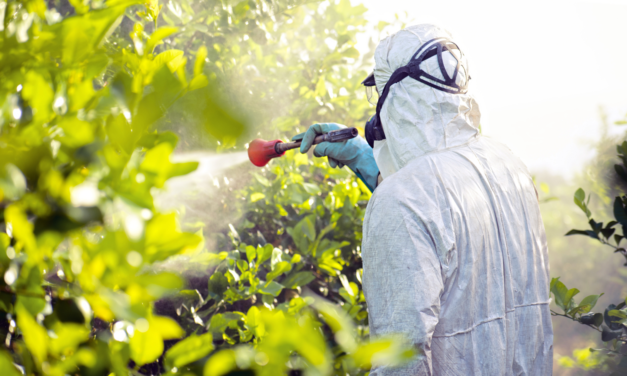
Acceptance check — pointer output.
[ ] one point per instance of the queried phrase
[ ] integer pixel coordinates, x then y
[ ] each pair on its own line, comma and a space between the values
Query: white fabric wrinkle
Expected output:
471, 328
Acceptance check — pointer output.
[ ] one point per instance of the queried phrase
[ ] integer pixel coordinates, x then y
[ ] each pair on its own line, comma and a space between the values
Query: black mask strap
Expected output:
374, 127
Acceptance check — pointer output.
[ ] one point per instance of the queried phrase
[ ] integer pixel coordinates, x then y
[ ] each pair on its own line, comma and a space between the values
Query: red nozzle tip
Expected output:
261, 151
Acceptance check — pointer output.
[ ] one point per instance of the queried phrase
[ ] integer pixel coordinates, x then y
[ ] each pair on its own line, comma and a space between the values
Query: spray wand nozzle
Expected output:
261, 151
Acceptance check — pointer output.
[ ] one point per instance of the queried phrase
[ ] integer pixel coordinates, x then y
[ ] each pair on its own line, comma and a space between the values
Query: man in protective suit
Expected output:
454, 249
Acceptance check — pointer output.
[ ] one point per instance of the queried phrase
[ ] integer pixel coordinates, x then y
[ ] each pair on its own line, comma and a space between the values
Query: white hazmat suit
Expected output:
454, 249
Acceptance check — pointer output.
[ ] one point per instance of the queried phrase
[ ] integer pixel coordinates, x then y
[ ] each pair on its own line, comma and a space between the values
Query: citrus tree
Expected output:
299, 226
79, 161
612, 322
87, 89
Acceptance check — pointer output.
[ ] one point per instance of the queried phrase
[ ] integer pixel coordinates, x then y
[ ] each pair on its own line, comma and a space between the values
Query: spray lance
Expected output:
261, 151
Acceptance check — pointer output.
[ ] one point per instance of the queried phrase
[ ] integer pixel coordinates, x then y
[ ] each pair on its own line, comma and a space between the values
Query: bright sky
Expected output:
540, 69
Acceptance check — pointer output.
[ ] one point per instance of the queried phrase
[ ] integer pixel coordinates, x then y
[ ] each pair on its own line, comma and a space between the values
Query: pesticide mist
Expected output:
193, 193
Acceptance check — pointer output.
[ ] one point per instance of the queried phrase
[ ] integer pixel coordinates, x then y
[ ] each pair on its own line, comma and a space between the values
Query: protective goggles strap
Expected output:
430, 49
412, 69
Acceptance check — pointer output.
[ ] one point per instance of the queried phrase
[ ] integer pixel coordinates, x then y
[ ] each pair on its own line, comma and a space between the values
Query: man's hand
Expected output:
354, 153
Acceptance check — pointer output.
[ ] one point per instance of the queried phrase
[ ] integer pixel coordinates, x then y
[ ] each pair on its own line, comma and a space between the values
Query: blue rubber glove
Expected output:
354, 153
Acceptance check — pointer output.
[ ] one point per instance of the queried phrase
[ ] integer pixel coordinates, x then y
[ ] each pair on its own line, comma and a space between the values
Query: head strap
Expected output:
428, 50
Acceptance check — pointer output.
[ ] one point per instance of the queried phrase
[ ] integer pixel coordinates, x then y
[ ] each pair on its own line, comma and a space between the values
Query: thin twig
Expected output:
553, 313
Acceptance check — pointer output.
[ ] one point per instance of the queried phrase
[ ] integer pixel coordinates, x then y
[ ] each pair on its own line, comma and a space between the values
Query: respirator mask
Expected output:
441, 49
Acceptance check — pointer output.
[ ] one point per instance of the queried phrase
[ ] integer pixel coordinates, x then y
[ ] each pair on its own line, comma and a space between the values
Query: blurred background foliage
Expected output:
124, 250
592, 263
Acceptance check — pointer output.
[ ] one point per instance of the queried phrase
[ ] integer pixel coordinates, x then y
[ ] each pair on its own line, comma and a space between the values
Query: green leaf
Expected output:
166, 56
560, 291
339, 322
619, 212
199, 63
198, 82
387, 352
589, 302
598, 319
68, 337
163, 237
569, 296
189, 350
589, 233
217, 285
298, 279
146, 347
278, 269
75, 45
33, 304
351, 53
221, 321
264, 253
262, 180
159, 35
76, 132
553, 282
321, 89
221, 363
307, 227
271, 288
617, 313
580, 196
181, 169
254, 321
257, 196
251, 253
166, 327
312, 189
35, 336
152, 106
242, 265
6, 365
164, 280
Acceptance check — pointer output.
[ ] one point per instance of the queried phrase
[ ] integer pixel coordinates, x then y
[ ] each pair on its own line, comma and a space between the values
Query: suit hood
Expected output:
419, 119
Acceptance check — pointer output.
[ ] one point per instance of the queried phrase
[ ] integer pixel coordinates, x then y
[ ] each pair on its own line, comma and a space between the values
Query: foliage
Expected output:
279, 65
84, 88
612, 324
309, 214
585, 359
79, 166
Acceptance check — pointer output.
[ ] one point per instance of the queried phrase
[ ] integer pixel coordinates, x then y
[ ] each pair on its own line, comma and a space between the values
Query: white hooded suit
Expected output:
454, 249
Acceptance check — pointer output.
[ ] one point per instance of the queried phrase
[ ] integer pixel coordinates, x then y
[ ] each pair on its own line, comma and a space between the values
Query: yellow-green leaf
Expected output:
220, 363
198, 82
156, 37
146, 347
199, 64
35, 336
189, 350
256, 196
